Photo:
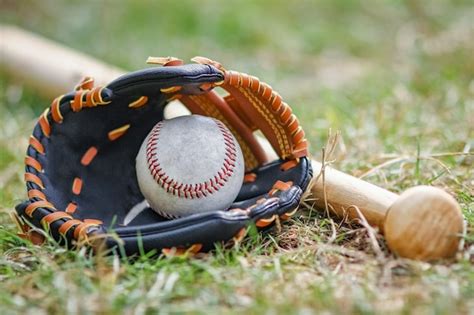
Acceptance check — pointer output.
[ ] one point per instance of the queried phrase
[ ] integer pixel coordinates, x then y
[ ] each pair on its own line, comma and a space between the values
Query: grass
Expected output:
396, 78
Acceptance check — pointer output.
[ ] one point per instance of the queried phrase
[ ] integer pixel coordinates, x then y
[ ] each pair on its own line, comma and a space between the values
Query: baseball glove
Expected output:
80, 162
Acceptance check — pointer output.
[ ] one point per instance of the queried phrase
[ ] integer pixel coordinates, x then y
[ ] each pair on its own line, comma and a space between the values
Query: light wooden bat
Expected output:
423, 223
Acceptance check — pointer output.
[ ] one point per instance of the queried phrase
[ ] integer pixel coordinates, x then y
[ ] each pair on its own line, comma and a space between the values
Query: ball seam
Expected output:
195, 190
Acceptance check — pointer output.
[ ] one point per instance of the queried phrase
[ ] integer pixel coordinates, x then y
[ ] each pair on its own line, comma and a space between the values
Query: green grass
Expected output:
396, 78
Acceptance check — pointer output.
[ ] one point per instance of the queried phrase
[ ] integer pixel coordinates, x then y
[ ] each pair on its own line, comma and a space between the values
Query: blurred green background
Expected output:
396, 78
341, 64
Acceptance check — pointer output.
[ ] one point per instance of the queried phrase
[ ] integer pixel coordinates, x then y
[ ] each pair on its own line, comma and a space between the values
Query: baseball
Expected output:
189, 164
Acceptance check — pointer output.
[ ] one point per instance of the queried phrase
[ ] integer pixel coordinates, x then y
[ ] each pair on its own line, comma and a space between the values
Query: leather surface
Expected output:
110, 188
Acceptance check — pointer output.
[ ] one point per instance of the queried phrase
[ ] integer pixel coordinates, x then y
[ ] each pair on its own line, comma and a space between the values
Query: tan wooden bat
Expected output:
423, 223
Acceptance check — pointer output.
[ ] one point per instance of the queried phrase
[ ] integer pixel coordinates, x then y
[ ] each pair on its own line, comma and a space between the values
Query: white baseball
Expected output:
189, 164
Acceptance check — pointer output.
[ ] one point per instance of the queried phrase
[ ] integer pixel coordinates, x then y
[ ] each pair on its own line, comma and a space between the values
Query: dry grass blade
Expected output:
326, 160
371, 233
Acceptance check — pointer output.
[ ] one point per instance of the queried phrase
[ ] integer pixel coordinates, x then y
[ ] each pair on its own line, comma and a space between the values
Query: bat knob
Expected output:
424, 223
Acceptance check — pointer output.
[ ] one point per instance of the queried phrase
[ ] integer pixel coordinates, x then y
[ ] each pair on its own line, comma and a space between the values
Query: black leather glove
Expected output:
80, 164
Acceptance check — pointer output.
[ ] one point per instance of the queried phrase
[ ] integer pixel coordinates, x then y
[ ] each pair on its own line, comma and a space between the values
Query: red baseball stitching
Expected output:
197, 190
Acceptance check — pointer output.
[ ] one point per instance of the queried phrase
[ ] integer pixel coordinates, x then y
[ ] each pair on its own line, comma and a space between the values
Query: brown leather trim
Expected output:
298, 135
292, 127
30, 177
30, 161
171, 89
76, 186
277, 103
65, 227
289, 164
239, 111
34, 237
261, 117
81, 230
117, 133
31, 208
292, 124
265, 109
240, 235
289, 214
71, 207
55, 110
35, 193
250, 177
265, 222
280, 186
78, 102
89, 156
89, 99
301, 150
36, 144
93, 221
165, 61
86, 83
96, 96
285, 114
206, 61
57, 215
44, 123
141, 101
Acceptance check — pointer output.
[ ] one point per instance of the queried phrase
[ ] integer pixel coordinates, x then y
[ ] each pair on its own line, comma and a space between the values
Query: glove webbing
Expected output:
250, 105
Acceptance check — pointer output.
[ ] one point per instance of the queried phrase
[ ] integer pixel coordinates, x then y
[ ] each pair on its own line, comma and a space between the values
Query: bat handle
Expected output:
423, 223
343, 193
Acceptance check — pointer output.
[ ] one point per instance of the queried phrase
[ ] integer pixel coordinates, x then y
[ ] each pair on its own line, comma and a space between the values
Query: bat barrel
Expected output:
424, 223
47, 66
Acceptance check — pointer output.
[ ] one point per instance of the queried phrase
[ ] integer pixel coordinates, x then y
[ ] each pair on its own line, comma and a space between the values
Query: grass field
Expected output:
396, 78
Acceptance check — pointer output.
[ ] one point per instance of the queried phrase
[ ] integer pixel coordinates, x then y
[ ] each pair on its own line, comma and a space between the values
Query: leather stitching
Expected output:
93, 98
277, 128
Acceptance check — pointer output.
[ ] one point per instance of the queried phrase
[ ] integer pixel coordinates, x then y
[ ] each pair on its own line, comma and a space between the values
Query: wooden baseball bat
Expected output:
48, 67
423, 223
